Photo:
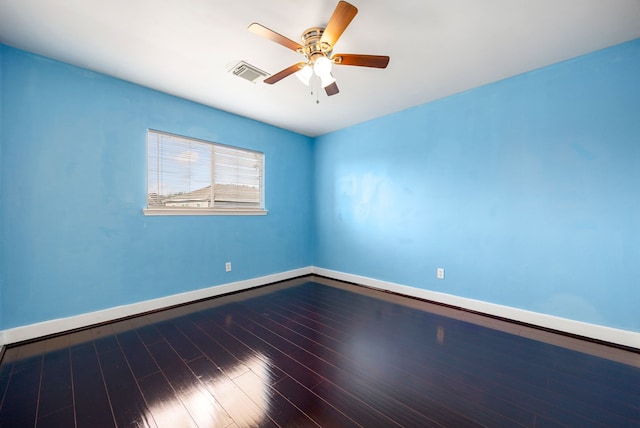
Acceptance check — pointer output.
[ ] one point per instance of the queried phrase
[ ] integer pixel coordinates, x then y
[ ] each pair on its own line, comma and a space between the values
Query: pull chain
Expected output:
315, 89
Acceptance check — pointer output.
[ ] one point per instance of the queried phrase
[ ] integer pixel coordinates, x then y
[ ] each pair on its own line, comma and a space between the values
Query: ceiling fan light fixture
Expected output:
304, 74
326, 80
322, 67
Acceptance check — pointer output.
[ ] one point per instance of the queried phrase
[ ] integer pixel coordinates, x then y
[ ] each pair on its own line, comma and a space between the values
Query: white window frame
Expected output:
191, 210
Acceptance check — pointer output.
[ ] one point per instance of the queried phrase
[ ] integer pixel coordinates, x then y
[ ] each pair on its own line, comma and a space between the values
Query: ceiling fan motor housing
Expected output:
313, 47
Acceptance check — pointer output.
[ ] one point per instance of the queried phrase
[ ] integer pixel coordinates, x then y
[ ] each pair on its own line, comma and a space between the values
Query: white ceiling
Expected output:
437, 47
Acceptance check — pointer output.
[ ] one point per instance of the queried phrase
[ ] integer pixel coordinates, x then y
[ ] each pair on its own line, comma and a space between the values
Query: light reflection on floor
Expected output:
241, 391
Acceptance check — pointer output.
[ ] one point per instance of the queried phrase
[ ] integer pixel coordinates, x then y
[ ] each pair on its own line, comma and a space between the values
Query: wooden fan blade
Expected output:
284, 73
338, 22
376, 61
332, 89
263, 31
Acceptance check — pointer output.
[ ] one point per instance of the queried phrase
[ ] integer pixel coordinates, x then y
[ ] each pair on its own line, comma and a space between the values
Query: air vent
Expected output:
248, 72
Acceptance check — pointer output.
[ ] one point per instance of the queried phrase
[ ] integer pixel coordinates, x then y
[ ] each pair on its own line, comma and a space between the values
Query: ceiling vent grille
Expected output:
248, 72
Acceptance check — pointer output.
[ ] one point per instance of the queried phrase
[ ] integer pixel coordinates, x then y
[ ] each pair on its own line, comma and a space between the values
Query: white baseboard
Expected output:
34, 331
592, 331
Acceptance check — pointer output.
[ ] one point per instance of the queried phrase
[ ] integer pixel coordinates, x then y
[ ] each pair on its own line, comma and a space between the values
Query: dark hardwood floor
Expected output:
320, 353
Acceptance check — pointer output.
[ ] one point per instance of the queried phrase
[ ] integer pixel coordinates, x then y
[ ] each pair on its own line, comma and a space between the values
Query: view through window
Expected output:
189, 174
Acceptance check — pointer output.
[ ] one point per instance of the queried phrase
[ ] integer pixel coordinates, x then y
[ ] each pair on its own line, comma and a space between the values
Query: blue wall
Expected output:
74, 239
527, 191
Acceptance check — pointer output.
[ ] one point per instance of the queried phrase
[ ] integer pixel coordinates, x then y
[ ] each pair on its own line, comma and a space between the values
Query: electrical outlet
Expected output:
440, 273
227, 266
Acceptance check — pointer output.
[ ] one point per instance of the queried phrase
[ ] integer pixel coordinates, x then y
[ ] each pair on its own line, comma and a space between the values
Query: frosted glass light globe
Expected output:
304, 74
322, 66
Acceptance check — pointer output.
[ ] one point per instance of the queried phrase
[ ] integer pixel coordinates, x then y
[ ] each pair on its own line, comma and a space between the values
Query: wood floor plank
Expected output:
617, 376
167, 409
56, 390
21, 399
149, 334
92, 405
106, 344
59, 419
140, 360
129, 407
5, 374
604, 397
178, 341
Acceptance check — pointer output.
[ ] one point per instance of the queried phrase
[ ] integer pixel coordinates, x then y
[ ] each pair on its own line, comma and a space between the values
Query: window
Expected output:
193, 177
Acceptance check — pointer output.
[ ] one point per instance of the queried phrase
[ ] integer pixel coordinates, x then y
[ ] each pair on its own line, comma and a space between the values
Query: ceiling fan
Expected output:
317, 48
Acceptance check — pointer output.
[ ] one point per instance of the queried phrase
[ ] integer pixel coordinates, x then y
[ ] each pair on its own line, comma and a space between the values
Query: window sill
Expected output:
202, 211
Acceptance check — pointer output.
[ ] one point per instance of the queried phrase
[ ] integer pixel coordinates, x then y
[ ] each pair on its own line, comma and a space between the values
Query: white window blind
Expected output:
184, 173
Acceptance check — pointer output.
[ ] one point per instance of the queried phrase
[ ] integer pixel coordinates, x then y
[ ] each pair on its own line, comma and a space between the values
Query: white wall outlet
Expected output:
227, 266
440, 273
